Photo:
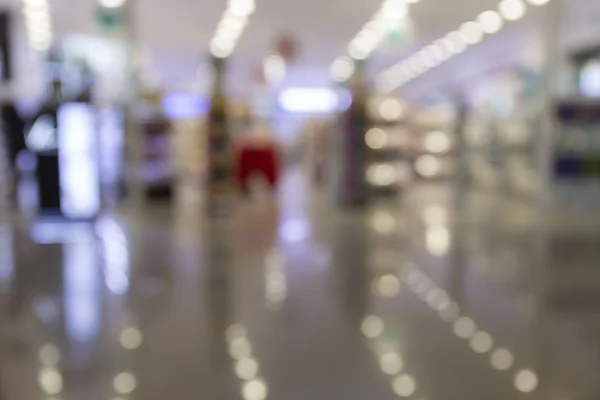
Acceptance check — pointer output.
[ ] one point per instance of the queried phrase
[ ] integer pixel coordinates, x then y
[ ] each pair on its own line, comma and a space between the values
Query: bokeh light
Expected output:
388, 286
376, 138
464, 328
372, 326
246, 368
131, 338
526, 381
404, 386
391, 363
125, 383
50, 380
255, 389
502, 359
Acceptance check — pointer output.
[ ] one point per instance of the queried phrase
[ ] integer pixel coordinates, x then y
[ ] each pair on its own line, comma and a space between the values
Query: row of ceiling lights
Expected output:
454, 43
38, 22
231, 26
390, 15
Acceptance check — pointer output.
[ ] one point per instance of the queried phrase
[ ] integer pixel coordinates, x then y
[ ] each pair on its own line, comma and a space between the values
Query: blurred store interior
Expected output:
273, 199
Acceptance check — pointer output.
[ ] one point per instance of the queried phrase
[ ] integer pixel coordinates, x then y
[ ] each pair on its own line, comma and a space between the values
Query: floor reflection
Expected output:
292, 298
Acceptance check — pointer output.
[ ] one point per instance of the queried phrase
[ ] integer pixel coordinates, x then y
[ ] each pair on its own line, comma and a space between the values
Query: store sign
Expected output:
398, 36
110, 18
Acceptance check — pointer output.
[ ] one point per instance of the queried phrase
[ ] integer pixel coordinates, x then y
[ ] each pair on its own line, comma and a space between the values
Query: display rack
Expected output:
434, 142
388, 139
158, 172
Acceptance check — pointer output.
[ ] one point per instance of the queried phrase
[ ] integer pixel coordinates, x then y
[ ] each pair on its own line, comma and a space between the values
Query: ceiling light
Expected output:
397, 71
446, 46
39, 28
40, 46
384, 84
368, 37
221, 49
407, 70
112, 3
43, 36
490, 21
471, 32
342, 69
458, 44
356, 52
512, 10
36, 3
242, 7
426, 59
33, 7
230, 27
436, 53
416, 64
394, 9
232, 22
224, 35
36, 15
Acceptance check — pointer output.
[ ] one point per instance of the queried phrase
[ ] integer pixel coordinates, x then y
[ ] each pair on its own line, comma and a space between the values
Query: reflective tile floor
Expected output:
291, 299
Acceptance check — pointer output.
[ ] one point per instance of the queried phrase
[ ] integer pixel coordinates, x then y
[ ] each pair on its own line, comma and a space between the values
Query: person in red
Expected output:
256, 155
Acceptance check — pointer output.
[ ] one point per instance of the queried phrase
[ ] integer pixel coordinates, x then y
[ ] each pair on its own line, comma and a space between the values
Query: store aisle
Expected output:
297, 300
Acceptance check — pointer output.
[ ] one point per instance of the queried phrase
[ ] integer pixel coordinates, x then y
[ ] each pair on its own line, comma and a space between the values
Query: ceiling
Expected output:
175, 35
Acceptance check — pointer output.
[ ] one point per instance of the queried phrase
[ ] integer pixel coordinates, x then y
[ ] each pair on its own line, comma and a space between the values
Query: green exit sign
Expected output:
110, 18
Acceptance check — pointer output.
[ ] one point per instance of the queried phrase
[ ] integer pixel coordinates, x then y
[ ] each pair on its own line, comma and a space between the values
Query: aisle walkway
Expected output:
300, 301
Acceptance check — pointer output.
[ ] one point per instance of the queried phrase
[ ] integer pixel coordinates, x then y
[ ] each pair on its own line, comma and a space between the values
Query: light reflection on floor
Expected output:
406, 299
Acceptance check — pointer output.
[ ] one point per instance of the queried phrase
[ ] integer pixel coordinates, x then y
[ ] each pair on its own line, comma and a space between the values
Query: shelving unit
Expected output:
433, 146
388, 139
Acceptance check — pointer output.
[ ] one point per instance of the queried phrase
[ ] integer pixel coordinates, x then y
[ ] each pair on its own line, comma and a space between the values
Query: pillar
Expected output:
219, 184
351, 157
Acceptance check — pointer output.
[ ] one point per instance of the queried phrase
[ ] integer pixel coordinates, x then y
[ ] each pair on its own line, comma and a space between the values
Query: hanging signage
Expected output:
110, 19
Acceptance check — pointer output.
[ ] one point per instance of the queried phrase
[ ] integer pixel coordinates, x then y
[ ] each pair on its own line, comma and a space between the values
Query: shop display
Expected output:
501, 133
388, 141
158, 173
64, 139
575, 165
587, 64
589, 78
578, 143
433, 142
